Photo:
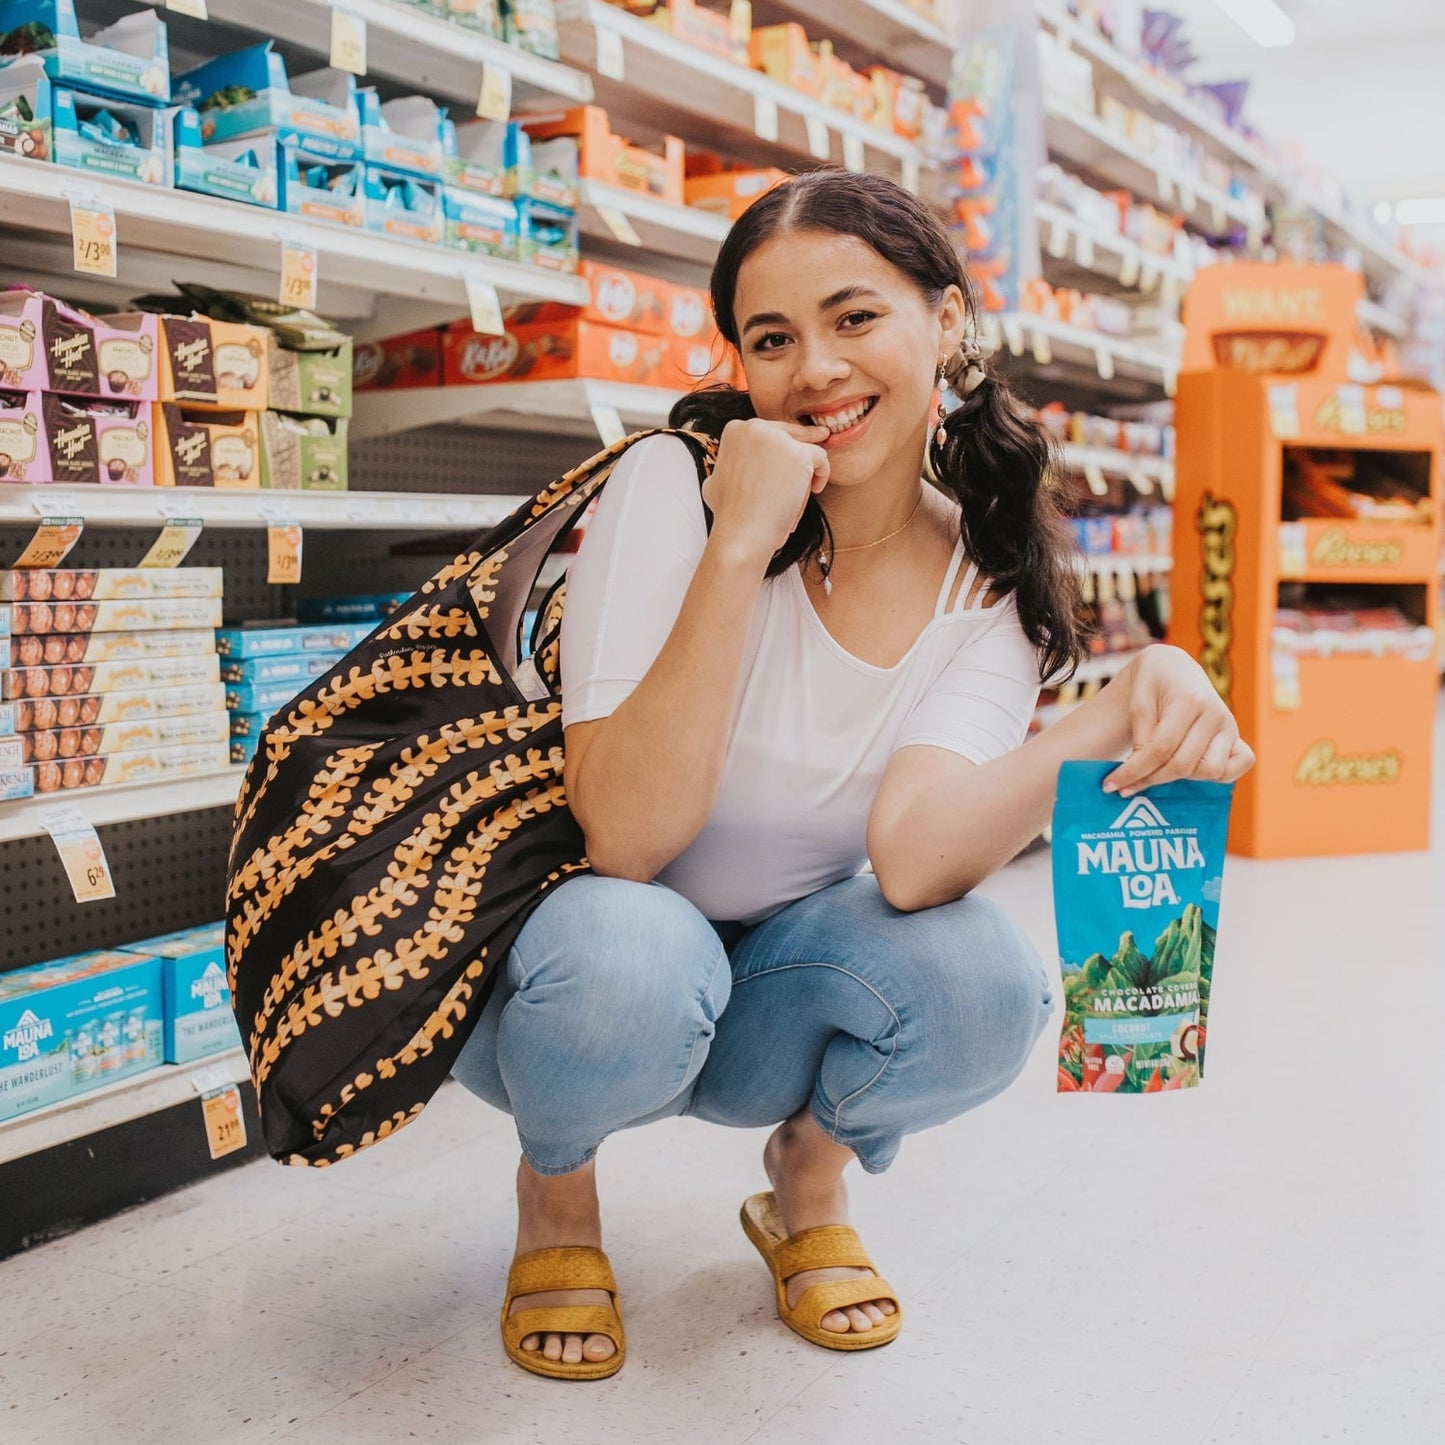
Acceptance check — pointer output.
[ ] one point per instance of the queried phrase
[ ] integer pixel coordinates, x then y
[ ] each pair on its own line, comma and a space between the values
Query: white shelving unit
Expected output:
913, 43
1094, 253
683, 233
1155, 470
1044, 342
125, 803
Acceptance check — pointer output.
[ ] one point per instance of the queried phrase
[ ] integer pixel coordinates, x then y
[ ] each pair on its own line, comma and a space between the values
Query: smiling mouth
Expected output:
842, 419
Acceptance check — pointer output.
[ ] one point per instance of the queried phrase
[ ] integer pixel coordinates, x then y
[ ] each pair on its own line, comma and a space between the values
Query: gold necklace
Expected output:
826, 562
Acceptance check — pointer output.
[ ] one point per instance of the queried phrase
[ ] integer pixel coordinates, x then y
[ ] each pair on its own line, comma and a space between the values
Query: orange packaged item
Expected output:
602, 156
900, 102
709, 30
730, 193
206, 449
692, 364
414, 359
550, 351
214, 364
783, 54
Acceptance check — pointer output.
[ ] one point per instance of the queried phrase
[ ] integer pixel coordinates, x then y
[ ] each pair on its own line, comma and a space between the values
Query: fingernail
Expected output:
1110, 786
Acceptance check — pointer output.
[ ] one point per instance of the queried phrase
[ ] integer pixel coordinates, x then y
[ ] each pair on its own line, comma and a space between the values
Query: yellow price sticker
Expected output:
81, 853
189, 7
225, 1123
765, 118
620, 224
299, 275
611, 60
820, 143
92, 233
911, 179
52, 542
608, 421
485, 306
283, 546
740, 23
348, 42
854, 156
174, 543
495, 100
1043, 351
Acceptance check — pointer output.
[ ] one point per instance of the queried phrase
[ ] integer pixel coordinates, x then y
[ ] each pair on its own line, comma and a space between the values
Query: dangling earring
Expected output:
940, 436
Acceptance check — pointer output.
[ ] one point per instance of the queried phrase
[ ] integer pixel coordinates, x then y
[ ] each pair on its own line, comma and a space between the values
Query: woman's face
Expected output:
831, 332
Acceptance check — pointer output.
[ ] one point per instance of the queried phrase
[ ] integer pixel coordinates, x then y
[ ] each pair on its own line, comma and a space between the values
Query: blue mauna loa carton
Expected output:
198, 1017
76, 1023
236, 170
128, 60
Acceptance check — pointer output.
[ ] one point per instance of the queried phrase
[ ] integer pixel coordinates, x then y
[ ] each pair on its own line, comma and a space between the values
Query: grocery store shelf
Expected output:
886, 30
1379, 257
418, 283
1105, 666
117, 1103
683, 233
1041, 342
1119, 464
671, 86
1088, 253
124, 804
554, 406
1112, 563
1376, 316
413, 48
1083, 140
117, 506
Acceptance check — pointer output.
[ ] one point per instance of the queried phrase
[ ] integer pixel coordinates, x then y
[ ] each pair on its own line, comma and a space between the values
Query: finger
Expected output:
1153, 747
1216, 756
799, 432
1185, 757
1241, 760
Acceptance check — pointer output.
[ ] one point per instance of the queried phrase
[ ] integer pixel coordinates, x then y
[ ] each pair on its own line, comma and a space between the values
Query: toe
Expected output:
875, 1315
531, 1342
836, 1321
572, 1350
599, 1347
858, 1320
887, 1306
553, 1348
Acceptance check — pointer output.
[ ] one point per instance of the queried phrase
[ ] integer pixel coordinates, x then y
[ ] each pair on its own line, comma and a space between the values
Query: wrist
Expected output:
738, 551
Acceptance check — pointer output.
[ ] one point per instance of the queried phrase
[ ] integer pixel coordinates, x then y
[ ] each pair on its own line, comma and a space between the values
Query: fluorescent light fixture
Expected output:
1421, 211
1262, 20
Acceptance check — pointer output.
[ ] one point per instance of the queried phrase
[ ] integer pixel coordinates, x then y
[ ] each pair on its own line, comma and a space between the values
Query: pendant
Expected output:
940, 436
827, 586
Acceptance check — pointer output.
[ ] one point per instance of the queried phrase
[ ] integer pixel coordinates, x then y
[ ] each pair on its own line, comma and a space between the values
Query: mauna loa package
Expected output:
1136, 900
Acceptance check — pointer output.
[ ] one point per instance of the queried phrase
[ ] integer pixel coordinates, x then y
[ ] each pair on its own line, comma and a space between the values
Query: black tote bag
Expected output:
400, 820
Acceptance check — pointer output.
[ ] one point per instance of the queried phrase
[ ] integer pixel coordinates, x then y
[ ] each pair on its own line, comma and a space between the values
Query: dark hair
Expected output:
996, 460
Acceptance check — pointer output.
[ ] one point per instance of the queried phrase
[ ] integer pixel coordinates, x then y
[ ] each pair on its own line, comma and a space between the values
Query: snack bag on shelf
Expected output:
1137, 885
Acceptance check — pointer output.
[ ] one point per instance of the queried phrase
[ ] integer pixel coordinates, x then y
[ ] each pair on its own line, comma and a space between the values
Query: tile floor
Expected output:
1258, 1263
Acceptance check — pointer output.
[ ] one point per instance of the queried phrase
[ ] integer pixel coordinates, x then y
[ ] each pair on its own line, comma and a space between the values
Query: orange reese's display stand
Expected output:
1303, 494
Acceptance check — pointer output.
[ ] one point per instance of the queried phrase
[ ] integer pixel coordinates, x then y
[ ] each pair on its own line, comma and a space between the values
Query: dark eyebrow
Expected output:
838, 298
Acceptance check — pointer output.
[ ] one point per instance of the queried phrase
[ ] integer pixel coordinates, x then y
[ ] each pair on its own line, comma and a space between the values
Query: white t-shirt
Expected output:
813, 726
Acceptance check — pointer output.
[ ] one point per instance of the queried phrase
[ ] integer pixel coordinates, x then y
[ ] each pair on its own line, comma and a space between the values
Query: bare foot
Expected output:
557, 1210
806, 1170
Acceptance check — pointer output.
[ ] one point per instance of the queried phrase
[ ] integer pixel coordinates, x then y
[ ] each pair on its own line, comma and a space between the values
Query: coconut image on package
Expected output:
1137, 884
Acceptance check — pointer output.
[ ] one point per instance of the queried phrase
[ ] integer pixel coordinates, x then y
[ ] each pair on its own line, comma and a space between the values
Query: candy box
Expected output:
206, 449
48, 346
350, 609
41, 714
405, 134
544, 170
400, 361
47, 744
396, 203
112, 137
161, 661
475, 155
235, 170
77, 648
15, 780
550, 350
25, 128
260, 698
616, 297
709, 30
303, 453
269, 640
286, 667
602, 156
730, 193
1137, 885
311, 383
322, 187
129, 615
248, 93
198, 1017
530, 25
214, 364
143, 765
45, 437
783, 54
7, 719
108, 584
484, 16
77, 1024
547, 235
484, 225
697, 363
244, 747
128, 59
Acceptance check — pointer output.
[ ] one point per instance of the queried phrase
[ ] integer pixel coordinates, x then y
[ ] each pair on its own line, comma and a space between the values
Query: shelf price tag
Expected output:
495, 100
608, 422
348, 41
1058, 240
52, 542
1169, 289
854, 156
1187, 199
910, 179
1171, 381
1141, 481
221, 1111
740, 22
1013, 334
1165, 184
1148, 276
1104, 363
1085, 251
1094, 476
620, 224
81, 853
92, 233
283, 548
177, 538
765, 118
820, 144
1129, 268
196, 8
485, 306
298, 275
611, 60
1043, 351
1217, 215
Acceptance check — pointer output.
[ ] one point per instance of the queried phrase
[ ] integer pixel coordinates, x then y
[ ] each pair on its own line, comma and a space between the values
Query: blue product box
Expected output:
542, 170
72, 1025
243, 747
1098, 535
128, 60
406, 134
113, 137
248, 92
349, 609
488, 225
547, 235
289, 667
7, 719
236, 170
25, 106
4, 615
398, 204
198, 1017
474, 156
267, 640
261, 698
320, 187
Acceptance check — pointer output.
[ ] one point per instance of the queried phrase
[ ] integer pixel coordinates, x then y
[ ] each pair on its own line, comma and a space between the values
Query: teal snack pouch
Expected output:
1136, 902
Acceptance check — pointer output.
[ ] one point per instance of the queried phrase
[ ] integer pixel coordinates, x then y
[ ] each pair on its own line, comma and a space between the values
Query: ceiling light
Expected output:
1262, 20
1421, 211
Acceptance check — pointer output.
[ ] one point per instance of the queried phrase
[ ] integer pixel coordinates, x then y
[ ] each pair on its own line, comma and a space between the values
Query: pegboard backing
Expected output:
465, 459
169, 873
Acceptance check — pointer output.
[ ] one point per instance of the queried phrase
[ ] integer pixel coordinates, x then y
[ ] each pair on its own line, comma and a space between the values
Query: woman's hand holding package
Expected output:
1179, 725
765, 473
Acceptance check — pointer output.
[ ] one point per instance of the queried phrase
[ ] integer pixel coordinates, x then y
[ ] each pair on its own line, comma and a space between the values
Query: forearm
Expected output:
650, 774
953, 835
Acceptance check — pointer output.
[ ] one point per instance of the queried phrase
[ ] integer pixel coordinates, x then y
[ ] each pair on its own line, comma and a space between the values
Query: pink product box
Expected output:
45, 437
48, 346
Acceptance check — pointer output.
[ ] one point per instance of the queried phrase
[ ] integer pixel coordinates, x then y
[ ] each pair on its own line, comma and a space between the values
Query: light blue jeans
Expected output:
622, 1004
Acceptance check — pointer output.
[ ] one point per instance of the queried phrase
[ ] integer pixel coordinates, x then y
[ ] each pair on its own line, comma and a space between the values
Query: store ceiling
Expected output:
1358, 94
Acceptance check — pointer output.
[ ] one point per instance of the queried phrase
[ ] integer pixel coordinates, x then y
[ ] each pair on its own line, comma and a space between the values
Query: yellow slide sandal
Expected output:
830, 1246
572, 1266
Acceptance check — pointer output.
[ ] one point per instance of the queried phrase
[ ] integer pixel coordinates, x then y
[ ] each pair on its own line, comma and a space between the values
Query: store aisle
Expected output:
1260, 1263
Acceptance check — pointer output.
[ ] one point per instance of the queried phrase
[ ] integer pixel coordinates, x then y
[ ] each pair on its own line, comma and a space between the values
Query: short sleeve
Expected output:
626, 585
980, 705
